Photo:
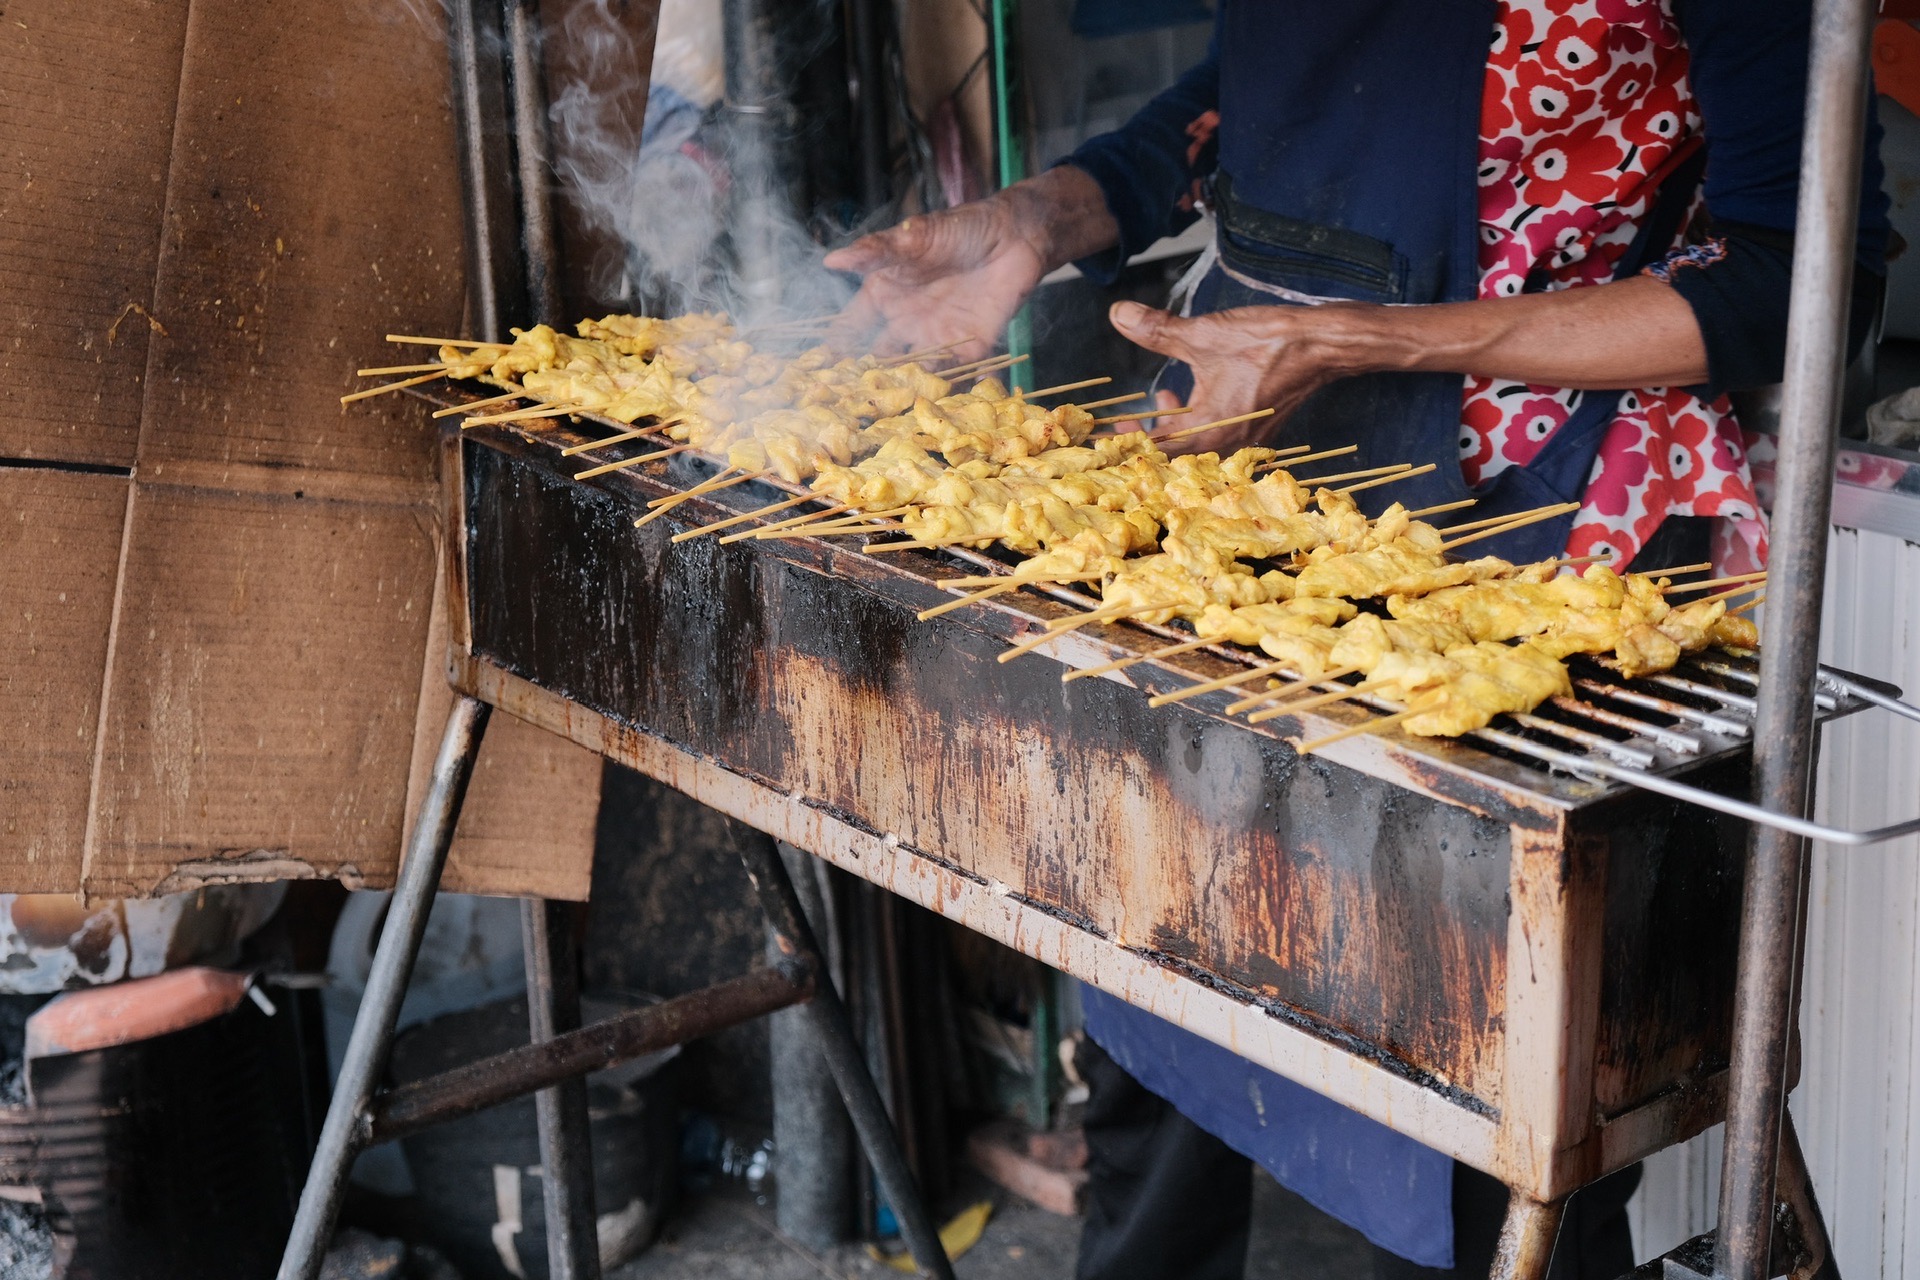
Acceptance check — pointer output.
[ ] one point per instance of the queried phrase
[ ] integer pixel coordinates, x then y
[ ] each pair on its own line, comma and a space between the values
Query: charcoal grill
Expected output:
1495, 945
1547, 949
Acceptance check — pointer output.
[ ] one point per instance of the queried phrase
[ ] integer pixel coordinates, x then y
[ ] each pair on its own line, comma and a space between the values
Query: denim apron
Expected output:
1347, 171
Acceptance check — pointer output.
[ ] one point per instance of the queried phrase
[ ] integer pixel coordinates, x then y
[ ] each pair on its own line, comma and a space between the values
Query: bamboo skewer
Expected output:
980, 368
1066, 386
443, 342
787, 523
384, 370
730, 521
908, 357
1056, 631
1521, 522
1392, 479
1285, 461
972, 597
1224, 682
1754, 603
1369, 472
1445, 506
1138, 415
1208, 426
1714, 582
471, 405
1101, 614
604, 441
1731, 592
385, 387
722, 480
1121, 664
1110, 400
1678, 568
1287, 691
1308, 748
1469, 526
624, 463
557, 411
1308, 704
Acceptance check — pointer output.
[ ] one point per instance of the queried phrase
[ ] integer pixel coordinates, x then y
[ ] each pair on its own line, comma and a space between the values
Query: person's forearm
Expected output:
1063, 214
1632, 333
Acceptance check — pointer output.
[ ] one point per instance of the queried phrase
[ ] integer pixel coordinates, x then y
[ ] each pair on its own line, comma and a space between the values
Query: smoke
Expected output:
698, 207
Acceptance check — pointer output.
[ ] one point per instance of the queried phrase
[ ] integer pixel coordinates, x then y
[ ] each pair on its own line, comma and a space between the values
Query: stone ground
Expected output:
727, 1236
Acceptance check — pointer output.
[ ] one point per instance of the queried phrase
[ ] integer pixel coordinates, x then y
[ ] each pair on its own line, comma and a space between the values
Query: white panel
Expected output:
1858, 1104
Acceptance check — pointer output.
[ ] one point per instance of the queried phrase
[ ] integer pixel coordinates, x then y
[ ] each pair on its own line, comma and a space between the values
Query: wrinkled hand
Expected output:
955, 276
1245, 359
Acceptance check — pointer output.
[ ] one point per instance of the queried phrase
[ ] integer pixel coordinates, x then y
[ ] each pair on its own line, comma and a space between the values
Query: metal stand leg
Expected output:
1796, 1193
844, 1058
1526, 1238
552, 948
342, 1135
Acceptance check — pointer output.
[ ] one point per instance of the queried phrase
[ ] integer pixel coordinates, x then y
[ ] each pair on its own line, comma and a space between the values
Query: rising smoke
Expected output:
703, 206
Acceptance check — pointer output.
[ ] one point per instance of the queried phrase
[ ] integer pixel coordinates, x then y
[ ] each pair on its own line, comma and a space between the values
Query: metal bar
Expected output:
503, 1077
341, 1137
1754, 813
1525, 1249
551, 944
1867, 693
845, 1059
1633, 757
1825, 222
494, 284
1808, 1224
1671, 739
533, 149
1726, 697
812, 1141
1666, 706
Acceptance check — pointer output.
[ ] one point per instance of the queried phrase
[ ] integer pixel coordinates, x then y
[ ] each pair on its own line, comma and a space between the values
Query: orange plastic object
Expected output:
101, 1017
1896, 56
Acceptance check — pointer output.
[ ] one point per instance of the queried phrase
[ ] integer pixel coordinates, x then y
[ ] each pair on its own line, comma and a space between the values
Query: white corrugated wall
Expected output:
1858, 1104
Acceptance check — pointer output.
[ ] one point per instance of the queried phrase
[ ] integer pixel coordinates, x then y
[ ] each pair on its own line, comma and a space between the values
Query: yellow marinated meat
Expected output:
1506, 610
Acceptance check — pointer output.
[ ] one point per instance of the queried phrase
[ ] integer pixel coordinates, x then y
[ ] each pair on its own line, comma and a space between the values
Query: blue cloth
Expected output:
1396, 1192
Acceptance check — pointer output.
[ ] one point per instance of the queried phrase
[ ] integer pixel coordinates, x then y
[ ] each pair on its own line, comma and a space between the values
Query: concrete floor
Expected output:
728, 1237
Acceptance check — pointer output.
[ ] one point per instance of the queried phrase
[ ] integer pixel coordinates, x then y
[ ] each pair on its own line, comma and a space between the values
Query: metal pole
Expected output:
1783, 731
535, 152
552, 949
844, 1058
366, 1057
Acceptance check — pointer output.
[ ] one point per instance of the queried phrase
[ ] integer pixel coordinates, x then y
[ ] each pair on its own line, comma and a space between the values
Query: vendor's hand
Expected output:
1242, 360
955, 276
959, 275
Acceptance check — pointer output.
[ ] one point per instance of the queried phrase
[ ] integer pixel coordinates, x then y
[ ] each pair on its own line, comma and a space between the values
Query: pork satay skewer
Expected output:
1091, 405
1139, 415
1065, 386
620, 438
1305, 684
391, 369
1750, 605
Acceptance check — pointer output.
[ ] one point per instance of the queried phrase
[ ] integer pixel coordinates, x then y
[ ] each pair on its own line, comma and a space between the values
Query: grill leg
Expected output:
1526, 1238
366, 1057
844, 1058
552, 946
1796, 1193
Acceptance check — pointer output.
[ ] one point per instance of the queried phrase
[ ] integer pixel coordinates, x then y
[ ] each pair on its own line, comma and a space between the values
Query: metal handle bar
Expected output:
1589, 767
1844, 683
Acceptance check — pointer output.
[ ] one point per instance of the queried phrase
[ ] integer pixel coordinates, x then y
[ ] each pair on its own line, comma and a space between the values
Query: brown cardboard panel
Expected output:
313, 207
527, 827
260, 701
86, 120
59, 548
